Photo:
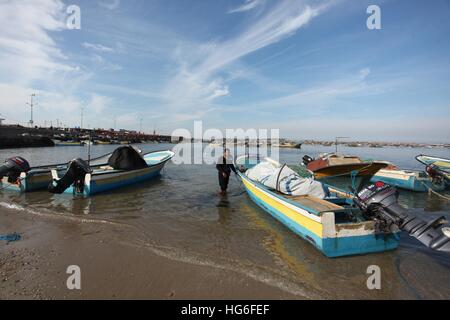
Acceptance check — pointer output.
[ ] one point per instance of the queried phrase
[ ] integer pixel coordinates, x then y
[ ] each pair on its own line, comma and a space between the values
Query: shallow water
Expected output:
181, 216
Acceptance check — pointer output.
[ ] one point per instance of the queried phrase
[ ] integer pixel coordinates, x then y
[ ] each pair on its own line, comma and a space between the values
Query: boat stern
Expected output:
347, 239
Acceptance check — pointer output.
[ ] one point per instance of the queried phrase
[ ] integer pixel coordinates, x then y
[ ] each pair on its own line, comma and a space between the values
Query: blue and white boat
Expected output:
418, 181
100, 178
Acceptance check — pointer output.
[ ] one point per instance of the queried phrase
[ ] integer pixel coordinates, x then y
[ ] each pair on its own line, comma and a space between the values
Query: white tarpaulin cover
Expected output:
287, 181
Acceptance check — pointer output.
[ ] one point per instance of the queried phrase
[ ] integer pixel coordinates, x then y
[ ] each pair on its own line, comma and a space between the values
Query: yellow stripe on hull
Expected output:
308, 223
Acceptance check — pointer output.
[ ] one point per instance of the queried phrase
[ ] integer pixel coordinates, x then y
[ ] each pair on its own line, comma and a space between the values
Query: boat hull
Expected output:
441, 163
28, 182
113, 179
99, 184
407, 180
321, 231
360, 169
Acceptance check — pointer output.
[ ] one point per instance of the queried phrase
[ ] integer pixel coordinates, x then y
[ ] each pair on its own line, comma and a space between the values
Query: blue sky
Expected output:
309, 68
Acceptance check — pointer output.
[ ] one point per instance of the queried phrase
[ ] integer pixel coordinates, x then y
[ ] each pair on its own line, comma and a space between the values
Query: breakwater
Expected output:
16, 136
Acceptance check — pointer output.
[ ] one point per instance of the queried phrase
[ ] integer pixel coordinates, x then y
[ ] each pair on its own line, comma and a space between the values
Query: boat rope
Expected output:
353, 175
430, 190
10, 237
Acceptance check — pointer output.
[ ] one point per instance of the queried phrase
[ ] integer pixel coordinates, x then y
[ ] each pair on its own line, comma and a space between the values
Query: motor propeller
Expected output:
379, 202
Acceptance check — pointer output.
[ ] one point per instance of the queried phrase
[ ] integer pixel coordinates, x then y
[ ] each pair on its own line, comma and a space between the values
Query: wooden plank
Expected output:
315, 203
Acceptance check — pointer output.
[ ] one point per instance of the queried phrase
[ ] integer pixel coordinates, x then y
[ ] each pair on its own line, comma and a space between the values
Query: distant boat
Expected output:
418, 181
82, 179
291, 145
100, 142
215, 144
438, 168
59, 143
88, 142
334, 165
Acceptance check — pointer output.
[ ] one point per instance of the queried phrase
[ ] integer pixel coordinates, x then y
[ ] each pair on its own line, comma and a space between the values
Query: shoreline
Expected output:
35, 266
15, 136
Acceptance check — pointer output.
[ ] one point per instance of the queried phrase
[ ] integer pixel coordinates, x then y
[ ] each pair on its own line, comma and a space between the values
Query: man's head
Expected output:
226, 153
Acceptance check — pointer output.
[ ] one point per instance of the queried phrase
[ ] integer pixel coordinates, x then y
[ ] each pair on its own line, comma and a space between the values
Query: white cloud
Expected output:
248, 5
110, 4
27, 51
323, 95
279, 23
97, 47
199, 81
50, 105
98, 104
105, 65
364, 73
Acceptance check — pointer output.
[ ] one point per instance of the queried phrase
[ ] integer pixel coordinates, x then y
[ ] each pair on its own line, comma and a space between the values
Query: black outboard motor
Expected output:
13, 167
378, 202
75, 174
307, 159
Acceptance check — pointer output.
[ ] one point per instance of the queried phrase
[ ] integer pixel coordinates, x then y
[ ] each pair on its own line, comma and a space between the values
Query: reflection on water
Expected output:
181, 211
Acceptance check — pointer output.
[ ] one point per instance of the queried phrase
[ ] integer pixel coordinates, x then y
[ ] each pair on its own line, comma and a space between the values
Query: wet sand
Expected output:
35, 266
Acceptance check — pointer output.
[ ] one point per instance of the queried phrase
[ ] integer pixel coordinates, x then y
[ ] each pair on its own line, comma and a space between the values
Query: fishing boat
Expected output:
59, 143
336, 222
101, 142
412, 180
335, 165
288, 145
17, 175
125, 167
438, 168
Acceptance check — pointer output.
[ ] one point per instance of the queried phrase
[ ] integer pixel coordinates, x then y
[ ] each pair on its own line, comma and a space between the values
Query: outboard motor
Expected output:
307, 159
378, 202
13, 167
435, 174
75, 174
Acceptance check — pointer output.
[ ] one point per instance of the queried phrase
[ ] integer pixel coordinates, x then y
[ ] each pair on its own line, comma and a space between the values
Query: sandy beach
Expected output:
35, 266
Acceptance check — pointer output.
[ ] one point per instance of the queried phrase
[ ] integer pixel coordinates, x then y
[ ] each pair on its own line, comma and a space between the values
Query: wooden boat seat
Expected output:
106, 168
317, 204
341, 161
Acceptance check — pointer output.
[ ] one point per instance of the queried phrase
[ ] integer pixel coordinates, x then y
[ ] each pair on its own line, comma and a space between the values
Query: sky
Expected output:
311, 69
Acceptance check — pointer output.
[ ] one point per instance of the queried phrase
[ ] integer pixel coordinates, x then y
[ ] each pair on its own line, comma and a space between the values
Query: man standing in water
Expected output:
224, 169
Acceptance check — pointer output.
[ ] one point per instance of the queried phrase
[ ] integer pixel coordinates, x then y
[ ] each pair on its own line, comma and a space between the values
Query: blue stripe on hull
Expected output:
334, 247
25, 186
400, 183
346, 246
95, 188
411, 184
